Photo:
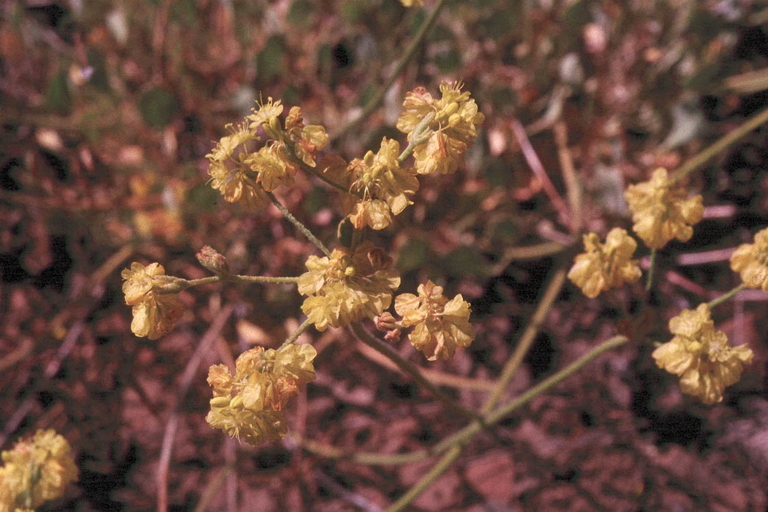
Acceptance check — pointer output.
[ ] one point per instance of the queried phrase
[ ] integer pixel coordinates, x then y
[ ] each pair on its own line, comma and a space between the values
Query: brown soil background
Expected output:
107, 110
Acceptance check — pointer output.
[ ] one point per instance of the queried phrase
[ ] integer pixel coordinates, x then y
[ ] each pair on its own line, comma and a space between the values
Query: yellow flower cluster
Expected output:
751, 261
380, 186
249, 404
661, 211
605, 266
154, 312
450, 132
348, 286
243, 174
701, 356
440, 324
35, 471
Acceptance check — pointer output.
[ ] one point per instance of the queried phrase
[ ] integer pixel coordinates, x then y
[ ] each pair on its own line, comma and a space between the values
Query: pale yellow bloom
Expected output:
347, 287
441, 325
412, 3
35, 471
307, 140
701, 356
605, 266
154, 313
230, 169
266, 115
382, 188
453, 128
751, 261
248, 405
661, 210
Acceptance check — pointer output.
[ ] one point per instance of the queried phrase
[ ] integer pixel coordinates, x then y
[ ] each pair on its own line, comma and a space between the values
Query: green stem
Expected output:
454, 444
288, 215
551, 293
651, 268
726, 296
408, 367
409, 53
242, 279
719, 145
419, 135
298, 332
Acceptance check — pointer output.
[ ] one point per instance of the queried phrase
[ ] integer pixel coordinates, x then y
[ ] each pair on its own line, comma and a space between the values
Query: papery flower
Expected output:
661, 210
271, 166
751, 261
453, 128
347, 287
701, 356
605, 266
381, 187
440, 324
35, 471
230, 169
307, 140
266, 115
154, 313
248, 405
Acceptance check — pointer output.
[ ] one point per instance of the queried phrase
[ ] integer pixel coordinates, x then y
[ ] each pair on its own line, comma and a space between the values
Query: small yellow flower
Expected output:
266, 115
605, 266
347, 287
306, 140
230, 169
453, 128
154, 313
441, 325
382, 188
661, 211
271, 166
248, 405
36, 471
701, 356
751, 261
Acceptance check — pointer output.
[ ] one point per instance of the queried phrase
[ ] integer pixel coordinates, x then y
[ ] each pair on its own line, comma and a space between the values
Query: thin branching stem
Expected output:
719, 145
453, 444
301, 227
525, 342
374, 102
651, 269
726, 296
408, 367
298, 332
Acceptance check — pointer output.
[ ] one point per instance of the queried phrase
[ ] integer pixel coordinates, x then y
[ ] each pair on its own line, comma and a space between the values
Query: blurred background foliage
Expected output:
108, 108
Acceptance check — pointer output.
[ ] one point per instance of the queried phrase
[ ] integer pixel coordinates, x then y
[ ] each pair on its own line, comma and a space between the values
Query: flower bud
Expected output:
213, 261
220, 401
386, 322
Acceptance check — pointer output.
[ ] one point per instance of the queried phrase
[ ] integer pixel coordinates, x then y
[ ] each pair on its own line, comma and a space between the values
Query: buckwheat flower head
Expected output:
271, 166
453, 128
347, 287
382, 188
230, 169
661, 210
248, 405
605, 266
701, 356
751, 261
154, 313
35, 471
307, 140
440, 324
266, 115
